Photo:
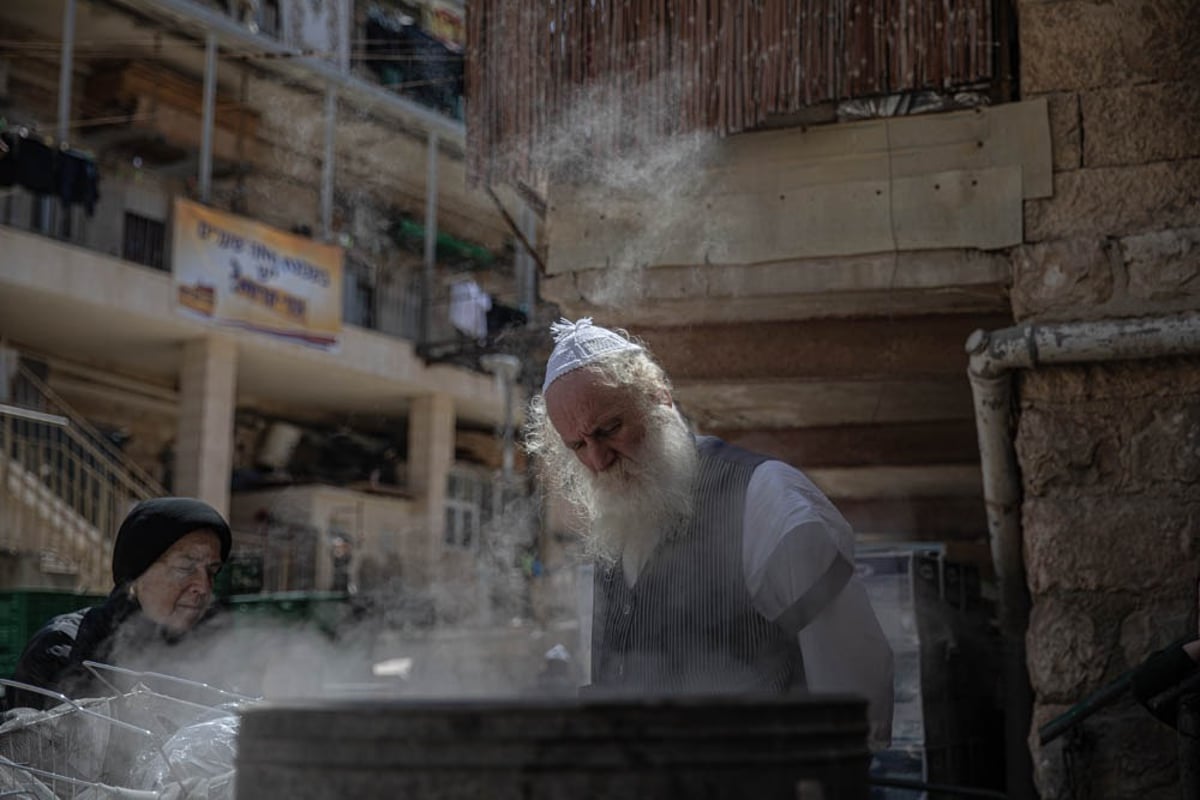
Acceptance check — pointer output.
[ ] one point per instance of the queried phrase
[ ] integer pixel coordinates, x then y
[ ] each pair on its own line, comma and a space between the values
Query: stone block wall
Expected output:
1121, 234
1110, 459
1110, 454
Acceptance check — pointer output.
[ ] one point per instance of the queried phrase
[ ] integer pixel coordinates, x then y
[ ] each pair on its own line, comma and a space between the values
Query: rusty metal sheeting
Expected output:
611, 73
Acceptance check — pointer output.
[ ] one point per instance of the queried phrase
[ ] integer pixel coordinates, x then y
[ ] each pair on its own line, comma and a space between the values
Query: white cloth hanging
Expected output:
469, 306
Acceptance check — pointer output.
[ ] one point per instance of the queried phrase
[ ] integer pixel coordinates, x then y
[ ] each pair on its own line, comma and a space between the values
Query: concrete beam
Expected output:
874, 483
936, 442
875, 284
917, 347
754, 405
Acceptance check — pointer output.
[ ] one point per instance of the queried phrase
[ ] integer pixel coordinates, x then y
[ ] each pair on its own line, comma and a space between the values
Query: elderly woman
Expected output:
166, 556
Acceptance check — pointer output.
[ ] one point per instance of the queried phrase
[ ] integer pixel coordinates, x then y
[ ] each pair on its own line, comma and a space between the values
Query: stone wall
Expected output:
1110, 459
1110, 454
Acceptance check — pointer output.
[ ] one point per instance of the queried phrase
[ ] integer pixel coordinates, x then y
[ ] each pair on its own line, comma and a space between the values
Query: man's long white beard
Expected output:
633, 506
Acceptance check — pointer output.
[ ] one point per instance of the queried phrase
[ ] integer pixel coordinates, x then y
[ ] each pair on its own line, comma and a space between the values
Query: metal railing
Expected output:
30, 391
63, 489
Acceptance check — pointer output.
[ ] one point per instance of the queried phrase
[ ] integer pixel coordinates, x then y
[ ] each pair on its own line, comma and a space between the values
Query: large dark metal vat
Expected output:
757, 748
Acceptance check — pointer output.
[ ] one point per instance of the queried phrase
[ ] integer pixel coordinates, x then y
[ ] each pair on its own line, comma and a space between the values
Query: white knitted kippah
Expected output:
577, 344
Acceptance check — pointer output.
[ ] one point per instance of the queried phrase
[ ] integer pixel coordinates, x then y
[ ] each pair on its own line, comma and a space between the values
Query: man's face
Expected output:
602, 425
176, 590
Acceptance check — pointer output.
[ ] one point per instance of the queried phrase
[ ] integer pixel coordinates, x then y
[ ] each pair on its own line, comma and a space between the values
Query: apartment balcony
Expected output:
60, 297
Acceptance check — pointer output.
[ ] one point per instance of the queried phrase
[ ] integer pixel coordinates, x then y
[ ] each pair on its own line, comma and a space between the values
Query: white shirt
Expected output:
796, 552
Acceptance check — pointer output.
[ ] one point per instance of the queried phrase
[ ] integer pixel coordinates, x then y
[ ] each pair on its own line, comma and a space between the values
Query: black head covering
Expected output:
154, 525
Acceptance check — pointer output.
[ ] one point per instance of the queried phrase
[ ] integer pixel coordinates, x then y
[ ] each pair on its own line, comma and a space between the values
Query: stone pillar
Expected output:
207, 398
430, 455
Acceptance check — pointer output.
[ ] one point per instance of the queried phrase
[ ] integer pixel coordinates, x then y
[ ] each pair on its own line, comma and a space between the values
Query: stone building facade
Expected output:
1109, 453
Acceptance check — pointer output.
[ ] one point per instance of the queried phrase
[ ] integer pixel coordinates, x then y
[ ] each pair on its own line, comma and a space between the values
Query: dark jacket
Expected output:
53, 658
1161, 680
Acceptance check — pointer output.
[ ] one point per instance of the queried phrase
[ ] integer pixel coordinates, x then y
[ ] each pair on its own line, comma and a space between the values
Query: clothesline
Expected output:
32, 161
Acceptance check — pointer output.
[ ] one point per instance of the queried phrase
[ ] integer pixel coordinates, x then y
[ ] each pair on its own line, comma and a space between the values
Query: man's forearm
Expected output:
845, 651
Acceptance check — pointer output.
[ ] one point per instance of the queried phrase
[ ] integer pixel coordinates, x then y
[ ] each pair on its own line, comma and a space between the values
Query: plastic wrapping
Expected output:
142, 745
63, 740
201, 752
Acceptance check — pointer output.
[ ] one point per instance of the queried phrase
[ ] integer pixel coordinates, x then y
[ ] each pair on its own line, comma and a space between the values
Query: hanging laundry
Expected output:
35, 165
30, 162
413, 62
78, 180
8, 159
501, 317
469, 306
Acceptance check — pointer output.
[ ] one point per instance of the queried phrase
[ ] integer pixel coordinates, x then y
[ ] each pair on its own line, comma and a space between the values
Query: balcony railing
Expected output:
403, 56
64, 489
389, 303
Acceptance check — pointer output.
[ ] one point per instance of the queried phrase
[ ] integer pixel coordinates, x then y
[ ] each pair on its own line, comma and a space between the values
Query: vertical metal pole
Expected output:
66, 71
528, 267
66, 66
508, 429
431, 199
327, 163
210, 102
993, 396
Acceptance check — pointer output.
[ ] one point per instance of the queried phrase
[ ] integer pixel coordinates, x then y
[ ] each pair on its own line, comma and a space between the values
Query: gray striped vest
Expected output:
688, 625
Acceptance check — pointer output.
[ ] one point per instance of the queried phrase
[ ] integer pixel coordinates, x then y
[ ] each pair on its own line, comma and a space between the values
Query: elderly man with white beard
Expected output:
718, 570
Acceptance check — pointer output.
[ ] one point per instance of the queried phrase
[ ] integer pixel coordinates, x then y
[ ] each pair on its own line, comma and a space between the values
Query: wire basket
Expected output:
141, 743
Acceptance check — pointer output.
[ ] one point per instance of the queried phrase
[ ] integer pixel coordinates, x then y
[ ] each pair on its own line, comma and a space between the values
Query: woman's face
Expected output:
176, 590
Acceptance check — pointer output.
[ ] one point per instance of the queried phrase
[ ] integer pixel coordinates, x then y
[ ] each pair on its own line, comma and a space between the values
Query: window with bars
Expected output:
468, 500
144, 241
475, 498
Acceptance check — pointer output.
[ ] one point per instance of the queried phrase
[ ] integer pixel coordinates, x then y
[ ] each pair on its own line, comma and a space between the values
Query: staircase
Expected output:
64, 487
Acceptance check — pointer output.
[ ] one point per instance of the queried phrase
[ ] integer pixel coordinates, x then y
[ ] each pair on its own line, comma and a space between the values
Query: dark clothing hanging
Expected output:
32, 164
78, 180
501, 317
414, 63
8, 159
35, 166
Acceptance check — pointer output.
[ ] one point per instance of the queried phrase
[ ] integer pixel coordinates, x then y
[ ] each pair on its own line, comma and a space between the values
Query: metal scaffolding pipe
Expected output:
209, 114
527, 267
993, 355
327, 163
431, 201
65, 72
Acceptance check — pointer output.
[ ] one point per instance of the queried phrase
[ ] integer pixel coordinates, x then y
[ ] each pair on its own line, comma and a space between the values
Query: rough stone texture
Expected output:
1120, 753
1059, 277
1049, 776
1065, 131
1110, 454
1164, 265
1150, 628
1140, 124
1083, 44
1110, 463
1107, 544
1164, 449
1115, 381
1141, 445
1091, 278
1064, 653
1057, 448
1117, 201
